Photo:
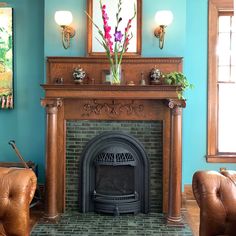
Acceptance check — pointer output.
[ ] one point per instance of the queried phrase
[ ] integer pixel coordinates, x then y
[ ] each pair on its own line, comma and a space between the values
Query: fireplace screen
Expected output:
114, 180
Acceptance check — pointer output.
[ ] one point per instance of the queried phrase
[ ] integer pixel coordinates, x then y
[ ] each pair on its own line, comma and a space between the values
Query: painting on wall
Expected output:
6, 58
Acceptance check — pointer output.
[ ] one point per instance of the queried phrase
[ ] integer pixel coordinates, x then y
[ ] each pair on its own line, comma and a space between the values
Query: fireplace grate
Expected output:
116, 204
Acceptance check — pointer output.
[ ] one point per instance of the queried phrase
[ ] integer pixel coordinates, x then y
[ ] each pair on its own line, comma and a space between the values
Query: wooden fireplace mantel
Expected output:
110, 92
111, 102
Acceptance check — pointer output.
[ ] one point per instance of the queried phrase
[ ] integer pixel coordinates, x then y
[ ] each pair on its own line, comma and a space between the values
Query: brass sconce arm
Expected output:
67, 33
160, 33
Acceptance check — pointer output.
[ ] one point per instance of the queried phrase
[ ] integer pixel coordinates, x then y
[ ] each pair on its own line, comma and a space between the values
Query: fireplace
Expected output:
80, 132
115, 175
100, 102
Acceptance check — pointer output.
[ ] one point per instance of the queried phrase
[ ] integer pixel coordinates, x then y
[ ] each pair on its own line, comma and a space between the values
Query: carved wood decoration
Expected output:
121, 110
108, 102
113, 108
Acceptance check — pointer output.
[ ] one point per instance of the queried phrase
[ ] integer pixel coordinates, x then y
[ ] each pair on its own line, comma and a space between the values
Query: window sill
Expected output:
223, 158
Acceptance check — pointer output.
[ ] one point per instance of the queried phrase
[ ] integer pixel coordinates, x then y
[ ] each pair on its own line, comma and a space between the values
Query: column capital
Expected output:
51, 105
51, 102
175, 103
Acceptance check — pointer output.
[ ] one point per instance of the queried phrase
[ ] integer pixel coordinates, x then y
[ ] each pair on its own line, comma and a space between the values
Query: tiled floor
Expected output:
104, 225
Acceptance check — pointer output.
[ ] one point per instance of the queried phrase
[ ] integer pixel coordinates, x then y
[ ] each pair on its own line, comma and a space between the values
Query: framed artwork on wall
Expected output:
6, 58
127, 10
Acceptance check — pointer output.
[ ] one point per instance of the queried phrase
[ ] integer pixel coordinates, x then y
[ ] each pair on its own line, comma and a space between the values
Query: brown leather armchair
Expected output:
215, 194
17, 187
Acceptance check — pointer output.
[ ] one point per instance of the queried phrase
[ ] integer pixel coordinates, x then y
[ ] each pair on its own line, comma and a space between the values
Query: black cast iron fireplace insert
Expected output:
114, 175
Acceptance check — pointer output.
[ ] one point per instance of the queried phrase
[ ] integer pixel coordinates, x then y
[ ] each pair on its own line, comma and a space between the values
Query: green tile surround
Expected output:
149, 133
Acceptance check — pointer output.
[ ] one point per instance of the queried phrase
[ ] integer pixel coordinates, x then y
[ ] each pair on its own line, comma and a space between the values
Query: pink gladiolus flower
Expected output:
106, 28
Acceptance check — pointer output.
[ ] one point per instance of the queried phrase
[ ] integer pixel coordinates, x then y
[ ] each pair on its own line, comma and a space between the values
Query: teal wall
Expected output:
37, 36
195, 115
25, 123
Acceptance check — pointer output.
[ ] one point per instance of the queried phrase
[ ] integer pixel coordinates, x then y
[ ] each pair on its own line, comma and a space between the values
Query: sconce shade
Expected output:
63, 17
164, 17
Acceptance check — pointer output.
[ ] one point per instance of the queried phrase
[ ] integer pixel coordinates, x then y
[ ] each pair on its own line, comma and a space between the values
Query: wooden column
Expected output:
175, 169
51, 105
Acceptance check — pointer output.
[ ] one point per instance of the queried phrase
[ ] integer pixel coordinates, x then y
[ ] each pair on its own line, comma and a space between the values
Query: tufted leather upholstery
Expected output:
17, 187
215, 194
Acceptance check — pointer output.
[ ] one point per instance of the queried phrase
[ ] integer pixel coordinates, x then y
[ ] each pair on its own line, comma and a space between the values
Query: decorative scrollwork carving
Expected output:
113, 108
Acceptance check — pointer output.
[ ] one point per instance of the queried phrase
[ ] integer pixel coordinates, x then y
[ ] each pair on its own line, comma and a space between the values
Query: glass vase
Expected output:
115, 74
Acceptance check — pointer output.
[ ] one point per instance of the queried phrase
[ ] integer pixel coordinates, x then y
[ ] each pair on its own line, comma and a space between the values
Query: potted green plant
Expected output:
179, 79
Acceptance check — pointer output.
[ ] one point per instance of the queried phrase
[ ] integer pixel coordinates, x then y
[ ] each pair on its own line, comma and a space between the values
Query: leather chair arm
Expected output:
17, 191
215, 195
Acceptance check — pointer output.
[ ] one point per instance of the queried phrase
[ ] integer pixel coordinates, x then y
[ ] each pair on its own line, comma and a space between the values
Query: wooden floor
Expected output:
191, 214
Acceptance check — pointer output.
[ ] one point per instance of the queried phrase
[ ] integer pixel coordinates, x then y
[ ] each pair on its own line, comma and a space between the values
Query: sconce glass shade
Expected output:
164, 17
63, 17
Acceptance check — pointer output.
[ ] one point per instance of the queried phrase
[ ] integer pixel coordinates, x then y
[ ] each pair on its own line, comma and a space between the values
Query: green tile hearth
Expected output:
89, 224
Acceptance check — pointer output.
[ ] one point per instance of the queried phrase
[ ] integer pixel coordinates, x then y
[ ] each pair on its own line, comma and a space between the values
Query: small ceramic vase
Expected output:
155, 76
79, 75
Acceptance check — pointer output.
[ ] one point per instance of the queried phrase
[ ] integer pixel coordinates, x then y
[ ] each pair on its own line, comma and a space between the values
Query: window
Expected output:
221, 82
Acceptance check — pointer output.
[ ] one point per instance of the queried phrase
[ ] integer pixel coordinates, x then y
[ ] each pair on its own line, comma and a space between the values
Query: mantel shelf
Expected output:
104, 91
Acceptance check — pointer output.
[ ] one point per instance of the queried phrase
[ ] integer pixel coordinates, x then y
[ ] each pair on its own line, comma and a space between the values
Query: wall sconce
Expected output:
64, 19
162, 19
